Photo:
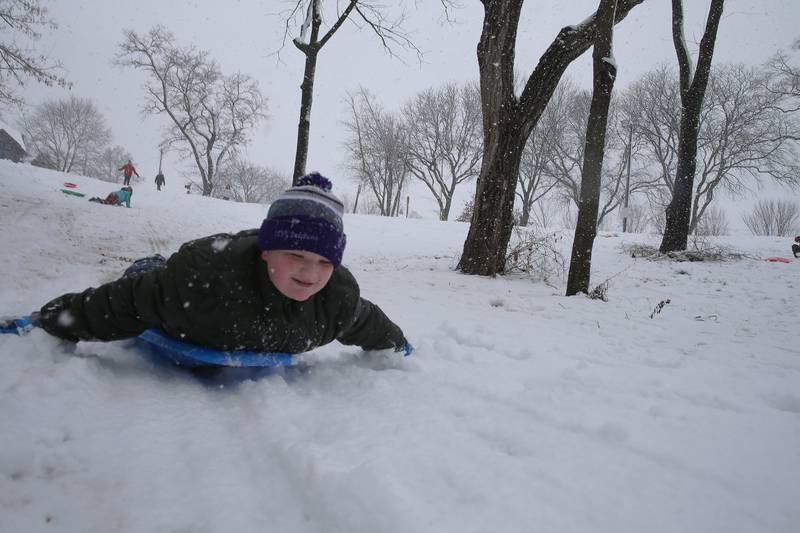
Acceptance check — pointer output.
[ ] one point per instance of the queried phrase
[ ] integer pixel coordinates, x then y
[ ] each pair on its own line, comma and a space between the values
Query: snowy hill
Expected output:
520, 411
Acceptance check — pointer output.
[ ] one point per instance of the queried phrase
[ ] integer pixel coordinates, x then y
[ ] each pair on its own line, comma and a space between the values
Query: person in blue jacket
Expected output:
122, 196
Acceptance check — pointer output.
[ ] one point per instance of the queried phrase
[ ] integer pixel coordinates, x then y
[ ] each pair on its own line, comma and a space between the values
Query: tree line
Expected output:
745, 137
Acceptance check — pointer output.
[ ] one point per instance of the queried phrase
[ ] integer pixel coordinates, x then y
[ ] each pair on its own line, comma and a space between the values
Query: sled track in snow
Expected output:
154, 242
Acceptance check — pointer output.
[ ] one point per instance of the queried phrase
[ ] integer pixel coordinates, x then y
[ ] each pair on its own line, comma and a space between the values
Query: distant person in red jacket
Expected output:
128, 171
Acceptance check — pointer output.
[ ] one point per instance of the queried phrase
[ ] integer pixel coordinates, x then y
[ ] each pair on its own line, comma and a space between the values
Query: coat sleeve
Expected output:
371, 329
117, 310
126, 307
363, 323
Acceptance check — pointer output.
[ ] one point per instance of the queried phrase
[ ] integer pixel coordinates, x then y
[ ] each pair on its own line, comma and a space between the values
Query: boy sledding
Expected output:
280, 288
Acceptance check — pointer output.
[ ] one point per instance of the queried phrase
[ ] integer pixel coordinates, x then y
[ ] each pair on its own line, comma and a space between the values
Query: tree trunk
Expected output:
676, 231
526, 214
492, 216
444, 212
693, 90
605, 72
210, 173
355, 204
304, 124
310, 50
508, 121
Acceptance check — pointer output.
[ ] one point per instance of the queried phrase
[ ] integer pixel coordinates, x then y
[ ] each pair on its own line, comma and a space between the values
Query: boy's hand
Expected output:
406, 348
19, 325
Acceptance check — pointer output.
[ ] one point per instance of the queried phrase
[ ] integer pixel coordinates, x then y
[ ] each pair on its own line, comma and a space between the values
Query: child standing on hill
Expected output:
128, 171
280, 288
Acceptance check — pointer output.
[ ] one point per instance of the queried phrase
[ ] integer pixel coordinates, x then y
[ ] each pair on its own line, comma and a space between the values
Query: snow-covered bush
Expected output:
535, 255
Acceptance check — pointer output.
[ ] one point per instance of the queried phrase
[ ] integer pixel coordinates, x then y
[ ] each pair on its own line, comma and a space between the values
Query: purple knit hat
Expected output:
307, 217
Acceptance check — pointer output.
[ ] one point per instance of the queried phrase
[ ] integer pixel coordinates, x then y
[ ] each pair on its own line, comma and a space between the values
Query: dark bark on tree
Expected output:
355, 204
693, 90
306, 99
508, 121
605, 72
311, 51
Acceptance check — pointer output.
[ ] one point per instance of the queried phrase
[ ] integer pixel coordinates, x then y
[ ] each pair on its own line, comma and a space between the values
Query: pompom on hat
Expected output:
306, 217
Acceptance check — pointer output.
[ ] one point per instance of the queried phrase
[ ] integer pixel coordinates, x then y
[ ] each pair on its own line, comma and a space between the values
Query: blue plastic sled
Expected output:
192, 356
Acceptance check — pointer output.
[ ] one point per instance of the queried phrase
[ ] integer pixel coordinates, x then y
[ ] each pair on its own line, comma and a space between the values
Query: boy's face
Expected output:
297, 274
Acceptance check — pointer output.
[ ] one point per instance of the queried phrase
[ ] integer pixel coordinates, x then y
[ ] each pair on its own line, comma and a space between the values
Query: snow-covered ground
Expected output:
521, 410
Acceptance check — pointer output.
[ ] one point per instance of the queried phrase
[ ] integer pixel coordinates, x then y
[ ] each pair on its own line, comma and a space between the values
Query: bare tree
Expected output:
657, 218
566, 157
534, 181
444, 140
508, 121
544, 212
648, 106
243, 181
376, 149
784, 80
24, 18
209, 114
743, 134
637, 218
369, 13
605, 73
564, 123
69, 132
713, 223
773, 217
370, 207
536, 171
693, 84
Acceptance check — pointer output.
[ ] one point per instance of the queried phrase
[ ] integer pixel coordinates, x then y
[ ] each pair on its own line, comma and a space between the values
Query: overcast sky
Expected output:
243, 35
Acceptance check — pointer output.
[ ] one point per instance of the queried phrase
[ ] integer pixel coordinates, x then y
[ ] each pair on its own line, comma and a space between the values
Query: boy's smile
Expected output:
297, 274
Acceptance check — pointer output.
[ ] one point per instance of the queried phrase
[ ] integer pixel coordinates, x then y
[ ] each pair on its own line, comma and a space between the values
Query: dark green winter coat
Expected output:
216, 292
